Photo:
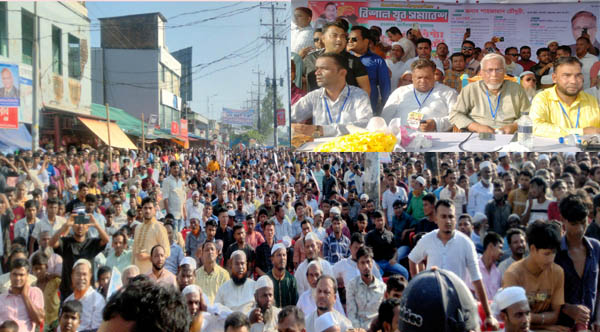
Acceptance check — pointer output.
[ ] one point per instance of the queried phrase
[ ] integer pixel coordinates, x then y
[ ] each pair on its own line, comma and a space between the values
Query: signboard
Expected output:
9, 92
175, 128
170, 100
520, 24
237, 117
9, 117
184, 128
281, 117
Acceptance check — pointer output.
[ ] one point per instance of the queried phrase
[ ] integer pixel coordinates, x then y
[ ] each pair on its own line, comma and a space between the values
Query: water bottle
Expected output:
525, 131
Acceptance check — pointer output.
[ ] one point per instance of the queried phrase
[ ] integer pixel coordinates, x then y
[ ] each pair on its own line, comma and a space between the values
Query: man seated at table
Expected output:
336, 104
565, 109
492, 103
424, 104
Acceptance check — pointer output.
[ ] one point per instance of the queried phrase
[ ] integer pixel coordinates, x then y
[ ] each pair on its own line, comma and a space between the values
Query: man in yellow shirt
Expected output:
565, 109
213, 165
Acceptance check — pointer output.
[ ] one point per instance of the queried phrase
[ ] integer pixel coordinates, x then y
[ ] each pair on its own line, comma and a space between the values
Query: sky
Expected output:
229, 86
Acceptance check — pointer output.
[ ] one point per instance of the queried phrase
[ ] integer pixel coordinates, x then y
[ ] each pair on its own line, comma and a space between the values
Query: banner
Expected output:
237, 117
184, 128
519, 24
174, 128
281, 117
25, 95
9, 117
9, 92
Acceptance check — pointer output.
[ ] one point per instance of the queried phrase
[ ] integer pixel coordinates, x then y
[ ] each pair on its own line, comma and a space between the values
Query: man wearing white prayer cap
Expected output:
511, 306
186, 272
307, 300
204, 317
327, 323
312, 246
237, 293
481, 192
263, 317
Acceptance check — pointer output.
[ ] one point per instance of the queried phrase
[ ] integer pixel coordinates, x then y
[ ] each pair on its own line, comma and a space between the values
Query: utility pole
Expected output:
35, 125
287, 52
273, 40
259, 82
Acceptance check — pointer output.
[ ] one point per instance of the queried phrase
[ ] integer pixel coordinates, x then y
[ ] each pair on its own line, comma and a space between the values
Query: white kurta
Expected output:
308, 304
300, 274
344, 323
237, 298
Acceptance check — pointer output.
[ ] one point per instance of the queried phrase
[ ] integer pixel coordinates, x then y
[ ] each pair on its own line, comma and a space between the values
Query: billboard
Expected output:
237, 117
281, 117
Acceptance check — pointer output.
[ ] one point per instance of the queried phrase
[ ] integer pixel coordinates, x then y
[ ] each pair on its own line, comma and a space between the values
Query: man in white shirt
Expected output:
450, 250
302, 31
537, 205
423, 52
395, 64
173, 191
307, 301
325, 298
237, 293
312, 246
587, 60
346, 269
93, 303
424, 105
392, 194
482, 192
453, 192
194, 208
335, 104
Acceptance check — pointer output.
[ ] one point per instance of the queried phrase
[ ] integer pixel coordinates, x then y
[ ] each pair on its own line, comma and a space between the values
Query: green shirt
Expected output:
285, 290
415, 206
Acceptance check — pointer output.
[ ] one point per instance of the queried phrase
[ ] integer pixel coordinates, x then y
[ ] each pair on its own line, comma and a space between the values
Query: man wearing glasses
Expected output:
565, 109
511, 56
528, 82
491, 104
468, 49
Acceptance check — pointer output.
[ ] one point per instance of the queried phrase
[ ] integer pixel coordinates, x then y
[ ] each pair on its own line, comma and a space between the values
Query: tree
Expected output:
266, 113
245, 137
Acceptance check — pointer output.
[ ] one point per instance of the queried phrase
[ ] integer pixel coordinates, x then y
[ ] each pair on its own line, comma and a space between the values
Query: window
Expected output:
3, 30
27, 37
56, 50
74, 57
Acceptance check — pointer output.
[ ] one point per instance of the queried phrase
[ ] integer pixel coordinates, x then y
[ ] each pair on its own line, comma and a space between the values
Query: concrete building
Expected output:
64, 62
134, 71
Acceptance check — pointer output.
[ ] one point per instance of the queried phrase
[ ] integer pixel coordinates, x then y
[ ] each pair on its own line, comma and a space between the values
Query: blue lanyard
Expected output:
424, 100
494, 112
341, 109
567, 115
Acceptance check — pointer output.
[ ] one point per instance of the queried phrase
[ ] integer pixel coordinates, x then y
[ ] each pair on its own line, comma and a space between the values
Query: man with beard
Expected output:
159, 274
525, 62
185, 273
237, 293
307, 301
448, 249
312, 246
239, 235
544, 65
284, 284
193, 297
578, 256
542, 279
528, 82
263, 317
325, 297
91, 301
491, 104
482, 192
518, 244
335, 103
511, 306
364, 293
498, 210
565, 109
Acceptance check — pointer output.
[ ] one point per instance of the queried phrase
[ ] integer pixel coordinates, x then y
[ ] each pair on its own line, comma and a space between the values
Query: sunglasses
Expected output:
467, 48
514, 54
530, 79
316, 39
353, 39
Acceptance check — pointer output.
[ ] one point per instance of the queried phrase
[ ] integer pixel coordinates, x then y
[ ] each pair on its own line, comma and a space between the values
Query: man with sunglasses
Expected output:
528, 82
468, 49
511, 55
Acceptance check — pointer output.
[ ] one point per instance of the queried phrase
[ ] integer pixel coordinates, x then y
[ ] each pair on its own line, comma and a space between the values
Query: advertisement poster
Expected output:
281, 117
237, 117
518, 24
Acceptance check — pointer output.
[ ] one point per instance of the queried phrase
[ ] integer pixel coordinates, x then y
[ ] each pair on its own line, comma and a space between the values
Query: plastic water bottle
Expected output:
525, 134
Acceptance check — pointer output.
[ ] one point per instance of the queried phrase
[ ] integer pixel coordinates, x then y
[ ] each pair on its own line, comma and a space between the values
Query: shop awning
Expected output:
118, 139
15, 139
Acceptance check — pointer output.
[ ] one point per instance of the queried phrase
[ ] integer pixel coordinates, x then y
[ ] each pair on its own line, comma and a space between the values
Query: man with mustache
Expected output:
335, 103
491, 104
528, 82
159, 273
263, 316
93, 302
448, 249
517, 243
565, 109
237, 293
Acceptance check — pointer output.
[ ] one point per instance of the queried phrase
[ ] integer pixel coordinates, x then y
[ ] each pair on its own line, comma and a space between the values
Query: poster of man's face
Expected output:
9, 92
7, 79
584, 20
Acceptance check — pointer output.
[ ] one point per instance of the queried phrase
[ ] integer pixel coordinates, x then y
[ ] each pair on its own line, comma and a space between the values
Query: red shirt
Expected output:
526, 64
297, 93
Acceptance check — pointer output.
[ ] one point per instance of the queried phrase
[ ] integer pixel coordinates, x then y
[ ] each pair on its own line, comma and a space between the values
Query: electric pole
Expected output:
273, 40
258, 74
35, 121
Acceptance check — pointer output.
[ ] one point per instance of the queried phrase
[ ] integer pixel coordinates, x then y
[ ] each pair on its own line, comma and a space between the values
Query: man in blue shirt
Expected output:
579, 257
379, 74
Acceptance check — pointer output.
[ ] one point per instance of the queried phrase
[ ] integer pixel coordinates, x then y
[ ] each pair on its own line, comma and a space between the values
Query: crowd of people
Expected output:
346, 75
260, 240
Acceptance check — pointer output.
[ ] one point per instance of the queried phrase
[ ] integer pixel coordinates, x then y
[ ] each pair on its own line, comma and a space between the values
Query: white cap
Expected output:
335, 210
398, 44
421, 180
479, 217
196, 193
231, 213
502, 155
485, 164
543, 157
82, 261
506, 297
208, 184
311, 236
189, 261
550, 42
133, 188
320, 213
276, 247
195, 216
262, 282
325, 321
527, 72
286, 241
364, 196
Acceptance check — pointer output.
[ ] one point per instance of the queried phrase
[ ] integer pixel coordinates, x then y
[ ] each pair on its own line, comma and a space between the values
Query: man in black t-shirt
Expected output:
382, 243
77, 246
334, 38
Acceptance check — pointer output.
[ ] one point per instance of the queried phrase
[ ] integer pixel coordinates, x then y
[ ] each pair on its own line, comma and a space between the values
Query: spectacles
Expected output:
316, 39
491, 70
530, 79
514, 54
353, 39
466, 48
